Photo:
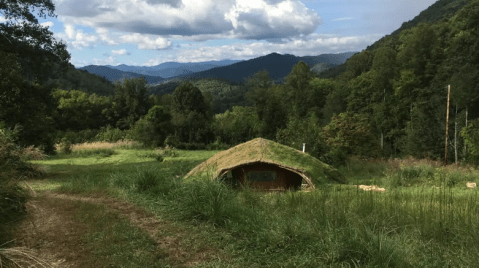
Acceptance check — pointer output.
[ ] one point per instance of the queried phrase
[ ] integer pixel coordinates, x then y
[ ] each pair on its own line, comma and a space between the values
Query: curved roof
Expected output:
261, 150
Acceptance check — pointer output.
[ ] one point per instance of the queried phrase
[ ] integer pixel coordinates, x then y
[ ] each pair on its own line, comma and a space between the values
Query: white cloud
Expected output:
78, 39
216, 19
2, 19
103, 33
119, 52
110, 60
47, 24
146, 42
314, 44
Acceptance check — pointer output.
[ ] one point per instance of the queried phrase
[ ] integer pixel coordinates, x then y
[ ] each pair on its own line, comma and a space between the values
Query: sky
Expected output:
150, 32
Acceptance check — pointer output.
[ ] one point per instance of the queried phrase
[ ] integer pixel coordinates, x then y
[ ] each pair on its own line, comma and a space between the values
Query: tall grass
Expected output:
20, 257
426, 218
338, 225
103, 145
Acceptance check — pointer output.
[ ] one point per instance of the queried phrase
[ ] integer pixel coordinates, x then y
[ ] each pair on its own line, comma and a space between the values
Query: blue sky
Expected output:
149, 32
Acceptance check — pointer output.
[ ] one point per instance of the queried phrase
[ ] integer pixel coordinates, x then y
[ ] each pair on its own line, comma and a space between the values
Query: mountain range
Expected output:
277, 65
113, 74
173, 69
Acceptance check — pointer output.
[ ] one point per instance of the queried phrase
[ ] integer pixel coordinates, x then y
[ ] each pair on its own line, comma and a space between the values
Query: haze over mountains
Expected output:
233, 70
172, 69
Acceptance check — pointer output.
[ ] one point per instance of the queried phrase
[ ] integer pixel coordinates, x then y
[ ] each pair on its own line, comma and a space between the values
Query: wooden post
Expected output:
455, 137
465, 145
447, 123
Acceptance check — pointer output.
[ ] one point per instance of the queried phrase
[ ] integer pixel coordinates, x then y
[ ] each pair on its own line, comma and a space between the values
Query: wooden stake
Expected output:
447, 122
455, 137
465, 145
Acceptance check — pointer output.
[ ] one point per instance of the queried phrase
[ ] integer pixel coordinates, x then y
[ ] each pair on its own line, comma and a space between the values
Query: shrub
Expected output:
155, 155
66, 146
169, 151
100, 152
13, 167
112, 134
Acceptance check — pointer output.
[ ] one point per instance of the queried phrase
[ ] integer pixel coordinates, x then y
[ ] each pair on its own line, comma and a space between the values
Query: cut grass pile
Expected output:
412, 224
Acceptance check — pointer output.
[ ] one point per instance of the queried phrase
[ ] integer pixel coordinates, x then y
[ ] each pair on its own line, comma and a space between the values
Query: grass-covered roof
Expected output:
261, 150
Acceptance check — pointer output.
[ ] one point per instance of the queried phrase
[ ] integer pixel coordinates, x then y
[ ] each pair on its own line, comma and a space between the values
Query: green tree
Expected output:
153, 128
28, 52
307, 130
350, 134
78, 110
34, 45
239, 125
301, 93
131, 101
27, 105
191, 116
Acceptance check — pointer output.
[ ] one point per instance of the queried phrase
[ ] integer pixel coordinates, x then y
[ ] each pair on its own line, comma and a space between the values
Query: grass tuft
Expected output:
19, 257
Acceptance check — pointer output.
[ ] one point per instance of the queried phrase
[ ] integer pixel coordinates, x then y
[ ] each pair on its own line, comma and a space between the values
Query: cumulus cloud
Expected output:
314, 44
120, 52
77, 38
104, 36
146, 42
245, 19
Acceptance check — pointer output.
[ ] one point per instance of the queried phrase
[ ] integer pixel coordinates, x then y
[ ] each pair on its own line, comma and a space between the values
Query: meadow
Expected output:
426, 218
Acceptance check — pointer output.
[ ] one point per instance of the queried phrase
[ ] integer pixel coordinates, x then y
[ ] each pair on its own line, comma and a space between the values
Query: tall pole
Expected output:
455, 137
465, 145
447, 122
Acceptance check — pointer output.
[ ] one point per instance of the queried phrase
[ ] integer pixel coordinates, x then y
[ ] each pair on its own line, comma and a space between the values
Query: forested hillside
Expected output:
389, 100
114, 75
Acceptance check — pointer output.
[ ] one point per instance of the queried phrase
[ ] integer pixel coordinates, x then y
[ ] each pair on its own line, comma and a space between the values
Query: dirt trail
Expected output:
56, 237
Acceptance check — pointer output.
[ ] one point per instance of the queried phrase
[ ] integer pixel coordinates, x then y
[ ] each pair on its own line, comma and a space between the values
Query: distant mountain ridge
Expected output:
114, 74
172, 69
278, 66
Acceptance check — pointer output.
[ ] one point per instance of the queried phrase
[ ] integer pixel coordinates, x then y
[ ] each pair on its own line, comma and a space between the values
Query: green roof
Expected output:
260, 150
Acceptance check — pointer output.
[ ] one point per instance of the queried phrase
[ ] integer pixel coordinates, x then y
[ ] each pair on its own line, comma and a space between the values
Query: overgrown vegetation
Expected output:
14, 167
425, 217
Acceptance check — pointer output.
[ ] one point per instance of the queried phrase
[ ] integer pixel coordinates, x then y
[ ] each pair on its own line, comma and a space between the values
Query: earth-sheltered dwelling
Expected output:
265, 164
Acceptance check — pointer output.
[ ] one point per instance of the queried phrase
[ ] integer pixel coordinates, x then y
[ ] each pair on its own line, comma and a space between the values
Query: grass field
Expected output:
135, 211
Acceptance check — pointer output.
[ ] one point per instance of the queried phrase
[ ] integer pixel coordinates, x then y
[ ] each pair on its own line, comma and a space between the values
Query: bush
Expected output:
82, 136
156, 155
112, 134
217, 146
191, 146
471, 139
100, 152
13, 167
168, 151
66, 146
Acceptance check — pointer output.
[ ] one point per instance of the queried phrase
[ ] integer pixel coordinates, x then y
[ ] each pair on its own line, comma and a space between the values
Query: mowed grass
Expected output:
426, 217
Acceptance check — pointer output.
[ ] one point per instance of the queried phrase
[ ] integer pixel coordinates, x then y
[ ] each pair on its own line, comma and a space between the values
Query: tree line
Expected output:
387, 101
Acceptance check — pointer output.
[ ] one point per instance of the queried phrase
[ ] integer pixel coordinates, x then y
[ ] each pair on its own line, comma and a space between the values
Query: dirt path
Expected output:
52, 232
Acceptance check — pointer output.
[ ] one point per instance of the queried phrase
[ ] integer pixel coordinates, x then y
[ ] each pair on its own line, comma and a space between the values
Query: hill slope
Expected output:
442, 9
114, 74
172, 69
277, 65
